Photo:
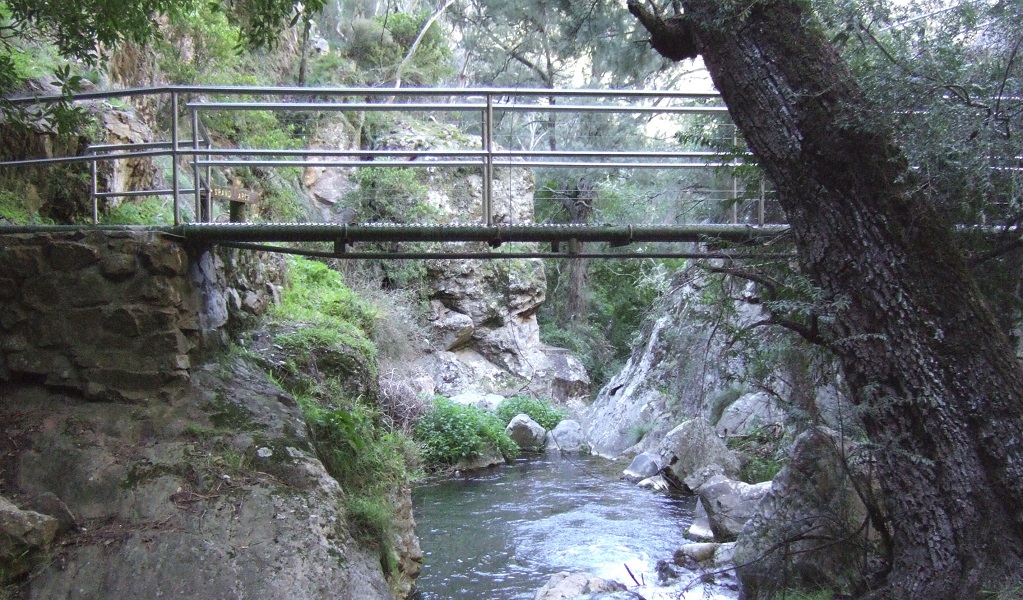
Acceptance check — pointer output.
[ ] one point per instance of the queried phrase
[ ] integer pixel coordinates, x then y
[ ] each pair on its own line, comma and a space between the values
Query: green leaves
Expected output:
451, 432
541, 411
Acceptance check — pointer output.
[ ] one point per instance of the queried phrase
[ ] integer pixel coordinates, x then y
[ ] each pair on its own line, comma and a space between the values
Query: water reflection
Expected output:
501, 534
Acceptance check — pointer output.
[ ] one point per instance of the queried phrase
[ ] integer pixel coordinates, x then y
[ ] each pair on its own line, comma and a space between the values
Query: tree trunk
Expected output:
940, 389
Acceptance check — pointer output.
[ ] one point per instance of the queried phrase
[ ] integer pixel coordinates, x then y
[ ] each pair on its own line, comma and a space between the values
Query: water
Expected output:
500, 535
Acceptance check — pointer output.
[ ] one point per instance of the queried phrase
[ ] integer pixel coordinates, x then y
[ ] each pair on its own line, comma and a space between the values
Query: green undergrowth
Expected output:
762, 452
324, 330
541, 411
450, 432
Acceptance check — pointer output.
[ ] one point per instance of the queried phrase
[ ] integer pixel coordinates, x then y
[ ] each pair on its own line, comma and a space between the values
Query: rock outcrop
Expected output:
144, 457
211, 492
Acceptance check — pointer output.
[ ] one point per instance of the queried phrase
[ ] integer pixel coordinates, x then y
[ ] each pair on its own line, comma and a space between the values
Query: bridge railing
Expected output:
500, 129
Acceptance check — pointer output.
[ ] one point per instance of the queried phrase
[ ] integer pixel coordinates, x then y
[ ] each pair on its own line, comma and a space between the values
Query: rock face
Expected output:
114, 317
688, 366
813, 524
482, 319
212, 492
750, 412
665, 381
202, 477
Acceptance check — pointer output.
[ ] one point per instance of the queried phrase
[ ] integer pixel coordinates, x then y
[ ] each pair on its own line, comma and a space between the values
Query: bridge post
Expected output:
175, 186
488, 164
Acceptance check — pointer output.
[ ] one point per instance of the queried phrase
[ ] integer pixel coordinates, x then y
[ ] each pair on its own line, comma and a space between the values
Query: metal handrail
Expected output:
198, 150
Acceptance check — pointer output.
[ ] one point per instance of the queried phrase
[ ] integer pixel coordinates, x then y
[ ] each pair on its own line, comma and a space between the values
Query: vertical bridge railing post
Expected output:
175, 184
488, 161
203, 211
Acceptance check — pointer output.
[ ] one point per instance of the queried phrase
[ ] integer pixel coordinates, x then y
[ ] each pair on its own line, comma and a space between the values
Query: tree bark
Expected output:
940, 390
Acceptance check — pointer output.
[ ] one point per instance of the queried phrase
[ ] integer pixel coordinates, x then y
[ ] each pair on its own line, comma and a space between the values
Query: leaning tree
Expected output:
940, 389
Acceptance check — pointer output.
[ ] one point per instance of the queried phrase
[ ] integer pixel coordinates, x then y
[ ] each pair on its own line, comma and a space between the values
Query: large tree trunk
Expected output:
940, 389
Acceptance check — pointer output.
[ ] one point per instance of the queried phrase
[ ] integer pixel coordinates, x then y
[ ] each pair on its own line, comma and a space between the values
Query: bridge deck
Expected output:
562, 239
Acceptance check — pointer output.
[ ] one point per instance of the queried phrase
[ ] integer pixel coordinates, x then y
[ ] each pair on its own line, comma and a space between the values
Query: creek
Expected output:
500, 534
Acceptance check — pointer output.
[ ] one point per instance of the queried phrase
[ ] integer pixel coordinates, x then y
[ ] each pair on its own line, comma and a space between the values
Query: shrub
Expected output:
450, 432
541, 411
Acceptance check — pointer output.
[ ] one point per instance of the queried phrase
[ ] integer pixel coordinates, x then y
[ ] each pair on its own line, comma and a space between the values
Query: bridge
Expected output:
501, 129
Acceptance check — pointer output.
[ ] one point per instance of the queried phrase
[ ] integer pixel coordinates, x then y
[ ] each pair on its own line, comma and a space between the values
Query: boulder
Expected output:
565, 585
489, 457
567, 436
22, 533
812, 505
656, 483
698, 552
729, 504
699, 477
526, 432
692, 446
645, 465
748, 413
699, 530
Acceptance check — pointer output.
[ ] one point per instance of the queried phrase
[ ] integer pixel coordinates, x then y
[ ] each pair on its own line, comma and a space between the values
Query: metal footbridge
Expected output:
499, 129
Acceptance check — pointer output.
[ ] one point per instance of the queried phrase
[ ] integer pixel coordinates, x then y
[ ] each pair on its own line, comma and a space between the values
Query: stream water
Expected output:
501, 534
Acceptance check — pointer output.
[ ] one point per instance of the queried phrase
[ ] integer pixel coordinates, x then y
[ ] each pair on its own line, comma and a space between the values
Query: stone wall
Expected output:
112, 315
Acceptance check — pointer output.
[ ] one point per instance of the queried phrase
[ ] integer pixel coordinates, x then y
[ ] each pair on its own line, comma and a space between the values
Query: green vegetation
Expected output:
541, 411
325, 330
638, 431
762, 452
450, 432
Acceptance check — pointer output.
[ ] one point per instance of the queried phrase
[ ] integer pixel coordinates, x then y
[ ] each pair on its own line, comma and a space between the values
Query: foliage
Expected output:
391, 194
541, 411
329, 311
378, 46
352, 436
450, 432
762, 454
151, 210
637, 431
621, 293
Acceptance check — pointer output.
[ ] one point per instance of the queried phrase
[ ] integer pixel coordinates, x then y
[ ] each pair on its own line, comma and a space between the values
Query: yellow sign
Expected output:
235, 193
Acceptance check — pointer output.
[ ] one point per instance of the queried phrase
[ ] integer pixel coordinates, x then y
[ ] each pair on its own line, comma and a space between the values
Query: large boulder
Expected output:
692, 446
567, 436
813, 523
646, 464
526, 432
566, 586
729, 504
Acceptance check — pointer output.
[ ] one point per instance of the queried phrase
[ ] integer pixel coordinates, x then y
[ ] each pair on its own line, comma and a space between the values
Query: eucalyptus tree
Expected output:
936, 378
